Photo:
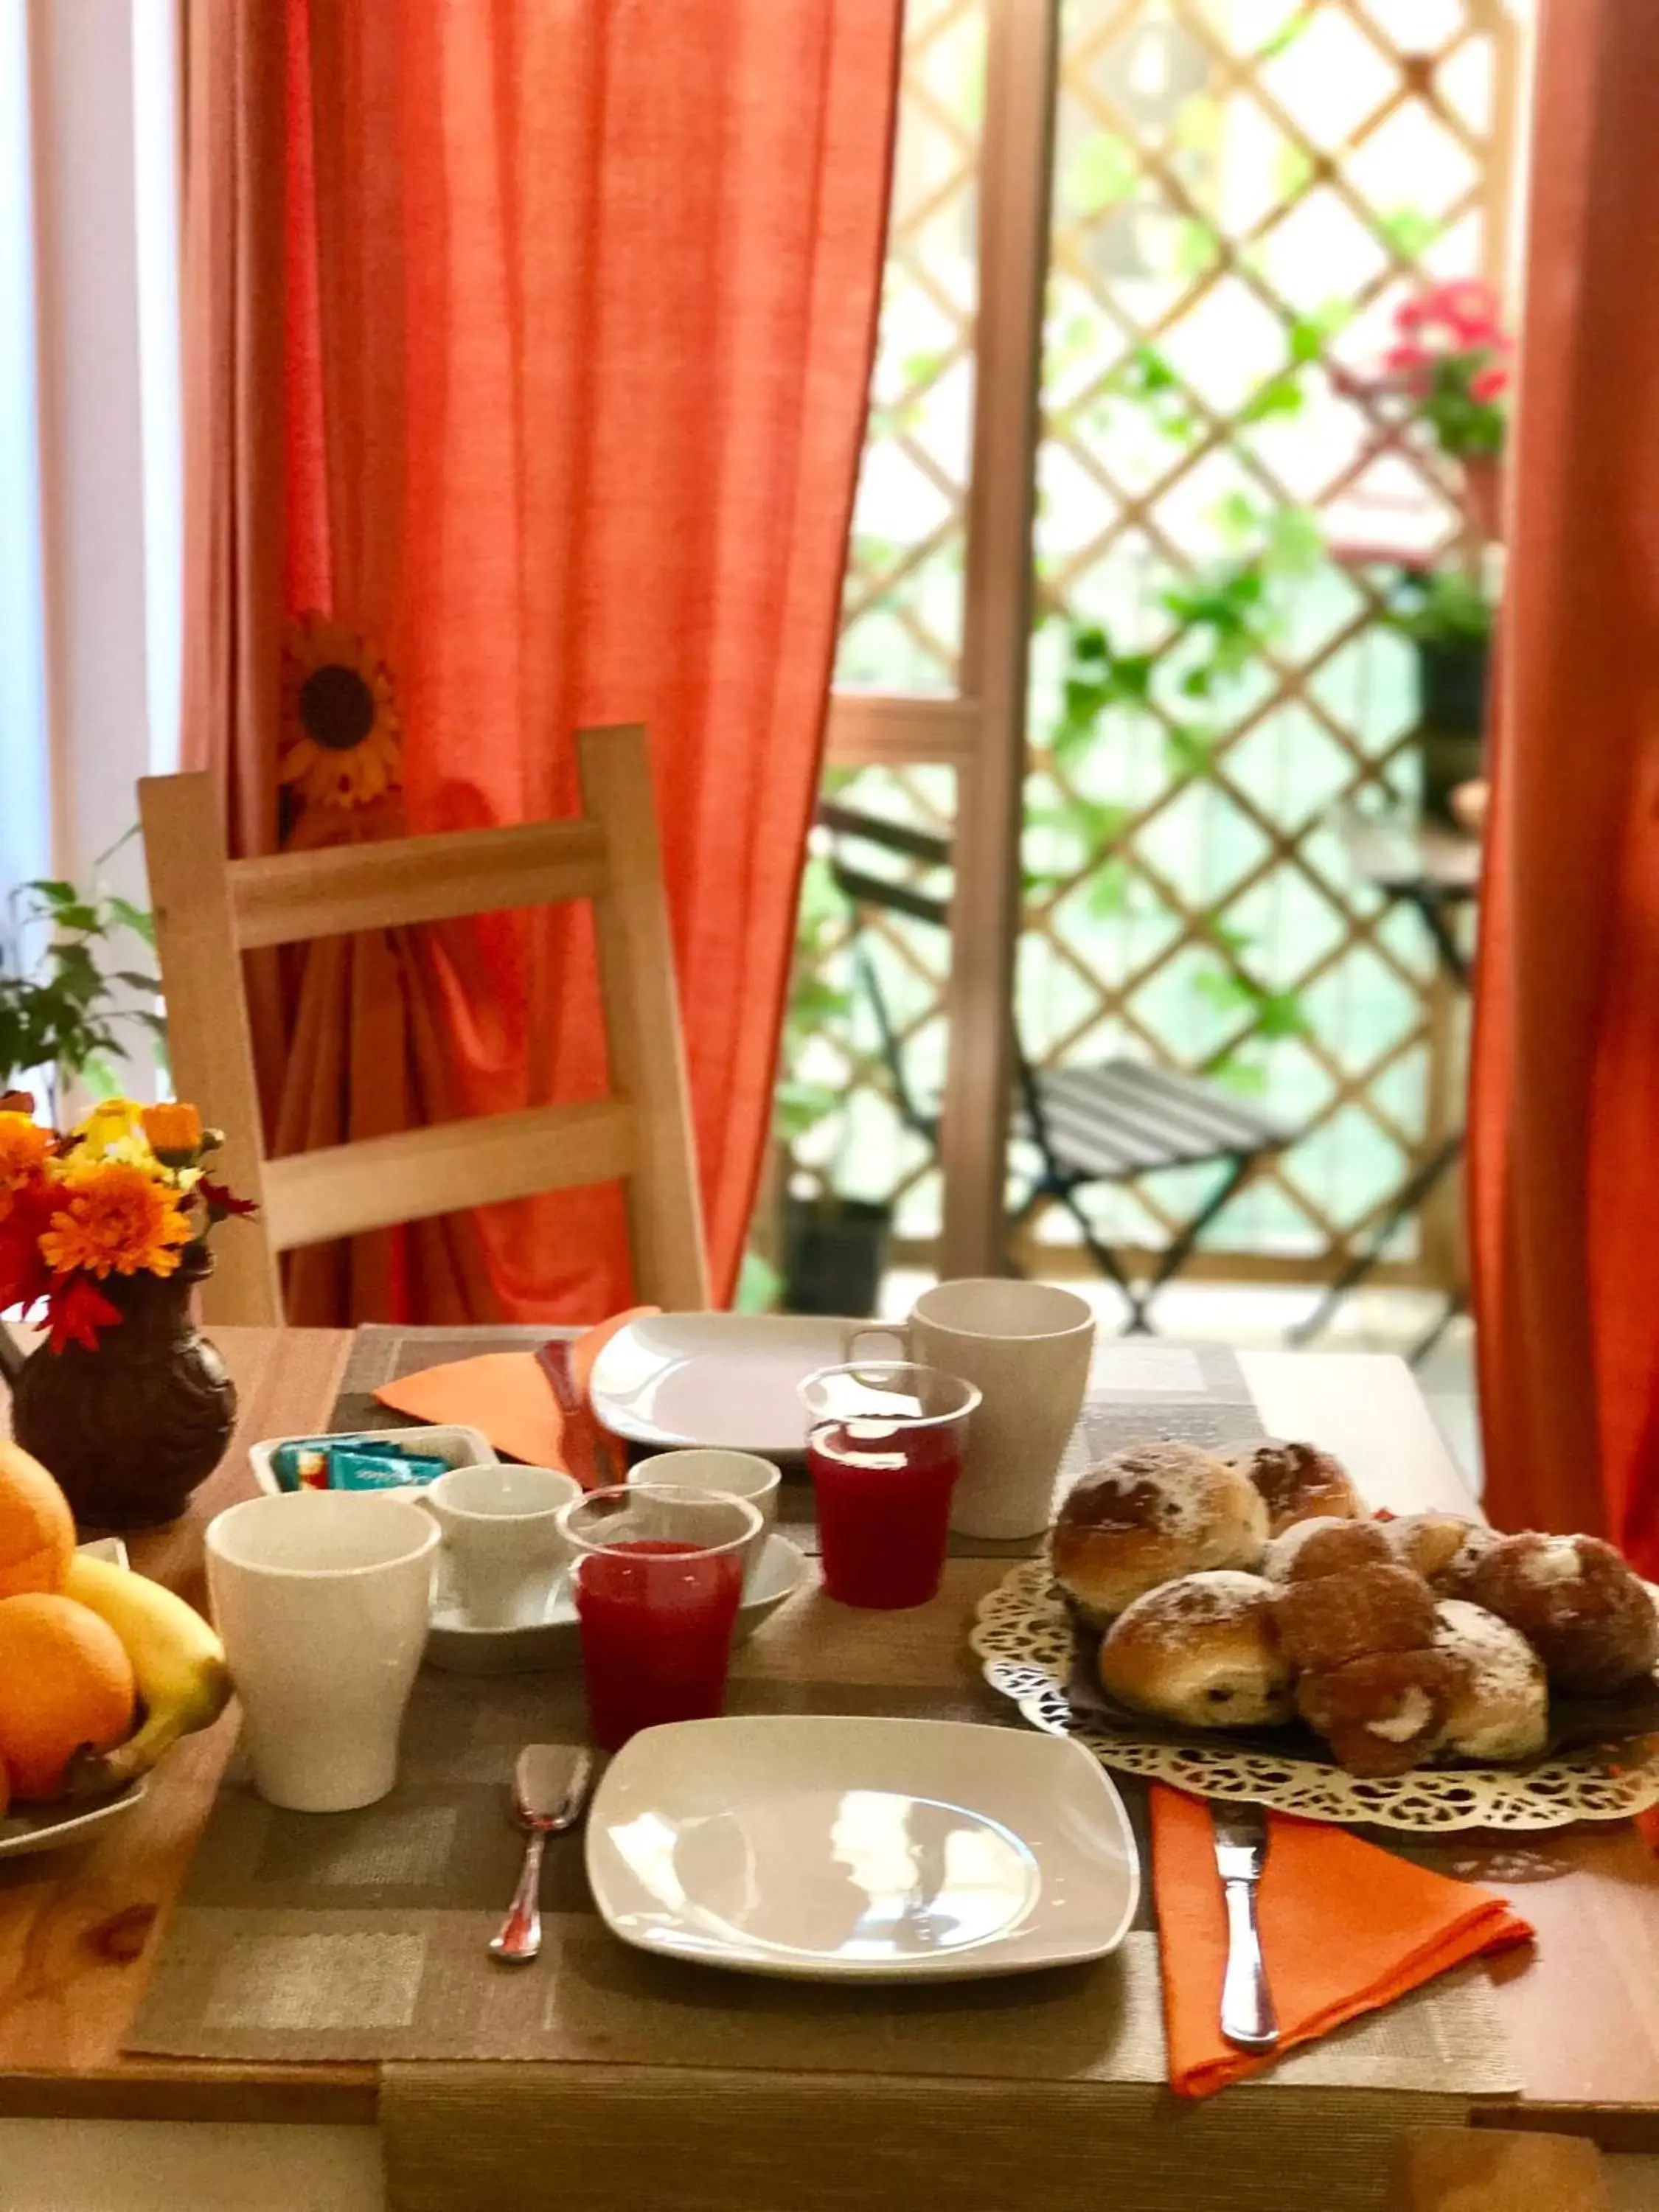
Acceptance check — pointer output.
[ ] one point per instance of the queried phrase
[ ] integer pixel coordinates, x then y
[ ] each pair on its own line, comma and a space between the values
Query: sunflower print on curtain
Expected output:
342, 735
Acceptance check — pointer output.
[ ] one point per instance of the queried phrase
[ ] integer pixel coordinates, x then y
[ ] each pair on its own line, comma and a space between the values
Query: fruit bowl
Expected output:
45, 1827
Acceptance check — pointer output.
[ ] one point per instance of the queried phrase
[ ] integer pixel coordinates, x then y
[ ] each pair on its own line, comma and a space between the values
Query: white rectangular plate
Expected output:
828, 1849
716, 1378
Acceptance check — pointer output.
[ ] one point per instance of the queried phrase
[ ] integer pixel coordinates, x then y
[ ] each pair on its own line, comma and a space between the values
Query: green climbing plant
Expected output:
1220, 621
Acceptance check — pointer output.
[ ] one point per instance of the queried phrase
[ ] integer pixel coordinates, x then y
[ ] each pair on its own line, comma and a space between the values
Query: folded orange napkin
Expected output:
505, 1394
1345, 1929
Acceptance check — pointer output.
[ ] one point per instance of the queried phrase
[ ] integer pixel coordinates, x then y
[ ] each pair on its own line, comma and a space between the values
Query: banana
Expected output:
177, 1664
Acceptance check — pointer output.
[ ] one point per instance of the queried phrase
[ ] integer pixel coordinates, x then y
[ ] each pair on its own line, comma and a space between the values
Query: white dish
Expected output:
828, 1849
455, 1444
715, 1378
456, 1645
45, 1827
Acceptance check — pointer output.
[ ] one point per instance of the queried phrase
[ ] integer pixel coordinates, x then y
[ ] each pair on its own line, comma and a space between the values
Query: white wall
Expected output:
90, 531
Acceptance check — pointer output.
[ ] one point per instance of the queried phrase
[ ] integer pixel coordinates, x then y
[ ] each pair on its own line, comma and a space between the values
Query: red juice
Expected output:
883, 1490
656, 1628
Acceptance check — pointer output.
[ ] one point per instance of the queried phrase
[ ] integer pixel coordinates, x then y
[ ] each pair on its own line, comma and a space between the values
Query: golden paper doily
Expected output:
1023, 1636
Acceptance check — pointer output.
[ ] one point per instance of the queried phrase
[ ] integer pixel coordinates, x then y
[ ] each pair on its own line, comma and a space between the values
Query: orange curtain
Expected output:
1564, 1121
527, 355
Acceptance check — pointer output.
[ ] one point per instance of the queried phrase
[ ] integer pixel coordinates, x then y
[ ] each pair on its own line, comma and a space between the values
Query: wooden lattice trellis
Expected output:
902, 606
1180, 256
1230, 174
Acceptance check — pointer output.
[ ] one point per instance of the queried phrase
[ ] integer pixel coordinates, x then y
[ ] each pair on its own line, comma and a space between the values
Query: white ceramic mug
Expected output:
322, 1597
501, 1539
1027, 1345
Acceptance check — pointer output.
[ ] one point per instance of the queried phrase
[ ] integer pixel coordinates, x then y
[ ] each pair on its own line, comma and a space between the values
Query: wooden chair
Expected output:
209, 910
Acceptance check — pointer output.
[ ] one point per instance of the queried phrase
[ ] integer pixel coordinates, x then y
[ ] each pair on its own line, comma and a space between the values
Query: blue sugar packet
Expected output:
382, 1470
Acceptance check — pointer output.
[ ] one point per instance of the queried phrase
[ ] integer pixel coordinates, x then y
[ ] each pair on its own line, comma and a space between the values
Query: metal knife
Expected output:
1240, 1851
586, 1451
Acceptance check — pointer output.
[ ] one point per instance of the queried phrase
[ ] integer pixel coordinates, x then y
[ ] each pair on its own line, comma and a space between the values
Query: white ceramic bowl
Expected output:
455, 1445
738, 1474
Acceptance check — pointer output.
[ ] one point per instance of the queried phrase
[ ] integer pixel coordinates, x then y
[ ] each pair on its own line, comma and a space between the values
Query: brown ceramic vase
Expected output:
131, 1428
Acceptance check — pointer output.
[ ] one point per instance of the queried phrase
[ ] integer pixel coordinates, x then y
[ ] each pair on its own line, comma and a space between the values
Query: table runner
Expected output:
362, 1935
617, 2139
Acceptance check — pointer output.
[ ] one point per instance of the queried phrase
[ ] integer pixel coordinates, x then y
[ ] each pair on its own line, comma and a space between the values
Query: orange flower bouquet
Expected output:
124, 1193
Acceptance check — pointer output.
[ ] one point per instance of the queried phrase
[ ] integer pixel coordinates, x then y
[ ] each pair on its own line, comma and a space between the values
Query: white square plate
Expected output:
716, 1378
832, 1849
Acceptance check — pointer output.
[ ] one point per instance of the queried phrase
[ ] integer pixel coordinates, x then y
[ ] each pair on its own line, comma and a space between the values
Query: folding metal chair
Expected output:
1109, 1123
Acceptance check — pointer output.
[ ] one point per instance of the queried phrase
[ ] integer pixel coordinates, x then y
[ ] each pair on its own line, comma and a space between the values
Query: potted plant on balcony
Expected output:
1450, 363
1448, 619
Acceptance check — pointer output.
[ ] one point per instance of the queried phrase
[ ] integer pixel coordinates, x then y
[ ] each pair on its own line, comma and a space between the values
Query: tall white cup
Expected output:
1027, 1346
502, 1539
322, 1598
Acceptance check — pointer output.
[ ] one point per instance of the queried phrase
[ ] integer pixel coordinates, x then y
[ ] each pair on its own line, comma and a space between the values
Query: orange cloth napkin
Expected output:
505, 1394
1346, 1928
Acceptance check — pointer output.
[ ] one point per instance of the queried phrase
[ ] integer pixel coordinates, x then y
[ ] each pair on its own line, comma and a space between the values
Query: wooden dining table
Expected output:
80, 1928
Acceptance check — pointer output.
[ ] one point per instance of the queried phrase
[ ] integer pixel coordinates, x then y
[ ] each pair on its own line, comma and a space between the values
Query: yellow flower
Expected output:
174, 1132
114, 1218
340, 720
109, 1132
23, 1150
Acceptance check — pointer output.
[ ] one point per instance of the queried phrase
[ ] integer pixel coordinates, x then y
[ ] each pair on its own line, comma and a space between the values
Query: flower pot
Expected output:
1483, 495
131, 1428
1451, 685
835, 1251
1451, 676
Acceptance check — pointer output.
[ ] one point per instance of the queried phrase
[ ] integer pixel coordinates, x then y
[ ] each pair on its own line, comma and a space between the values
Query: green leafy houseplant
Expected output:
65, 1008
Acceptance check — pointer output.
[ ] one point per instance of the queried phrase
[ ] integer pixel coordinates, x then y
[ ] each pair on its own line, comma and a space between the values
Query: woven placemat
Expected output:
362, 1935
1194, 1392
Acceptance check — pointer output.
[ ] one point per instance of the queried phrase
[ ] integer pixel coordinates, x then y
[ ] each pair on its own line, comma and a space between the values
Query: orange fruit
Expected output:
66, 1679
37, 1530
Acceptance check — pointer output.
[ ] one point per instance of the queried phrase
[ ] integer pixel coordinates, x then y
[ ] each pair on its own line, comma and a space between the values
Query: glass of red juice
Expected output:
884, 1452
657, 1576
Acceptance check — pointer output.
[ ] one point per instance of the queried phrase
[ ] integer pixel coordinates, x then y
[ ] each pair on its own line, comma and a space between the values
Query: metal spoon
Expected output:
550, 1784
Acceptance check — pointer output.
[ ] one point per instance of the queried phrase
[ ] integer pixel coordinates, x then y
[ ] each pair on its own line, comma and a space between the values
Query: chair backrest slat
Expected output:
286, 897
211, 910
343, 1189
208, 1041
